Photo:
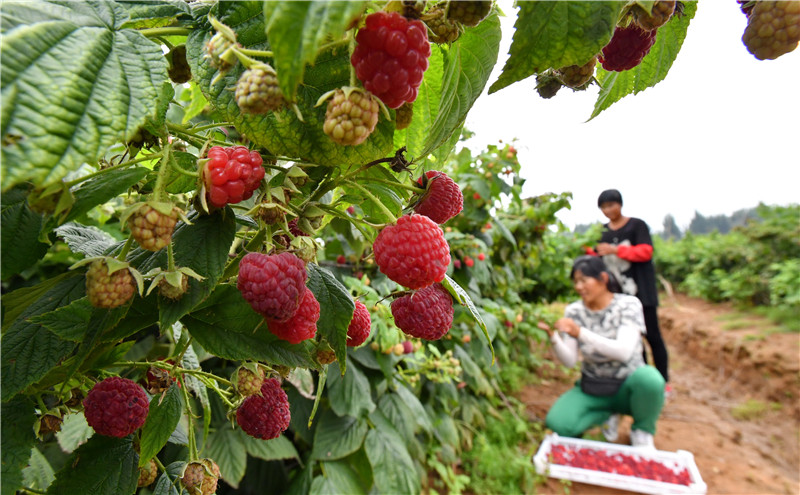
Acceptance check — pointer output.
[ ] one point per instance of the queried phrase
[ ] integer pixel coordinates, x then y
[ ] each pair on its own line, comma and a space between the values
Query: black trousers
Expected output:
657, 347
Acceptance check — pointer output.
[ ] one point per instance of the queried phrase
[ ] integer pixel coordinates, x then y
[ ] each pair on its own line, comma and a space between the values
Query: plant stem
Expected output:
393, 184
193, 455
255, 53
352, 47
114, 167
375, 200
165, 31
166, 157
127, 247
170, 258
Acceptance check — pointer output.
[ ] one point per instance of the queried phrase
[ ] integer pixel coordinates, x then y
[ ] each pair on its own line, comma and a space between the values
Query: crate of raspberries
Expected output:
618, 466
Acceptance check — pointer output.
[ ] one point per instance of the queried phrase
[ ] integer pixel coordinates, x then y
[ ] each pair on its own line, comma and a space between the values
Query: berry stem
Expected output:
170, 258
375, 200
352, 47
165, 31
166, 162
255, 53
125, 249
393, 184
247, 61
193, 454
323, 376
145, 158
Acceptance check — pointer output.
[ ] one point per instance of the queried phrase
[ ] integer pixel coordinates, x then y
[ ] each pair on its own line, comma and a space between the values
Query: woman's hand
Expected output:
547, 328
568, 326
605, 248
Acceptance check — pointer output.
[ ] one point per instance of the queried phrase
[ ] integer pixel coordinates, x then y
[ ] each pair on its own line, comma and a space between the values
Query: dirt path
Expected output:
714, 373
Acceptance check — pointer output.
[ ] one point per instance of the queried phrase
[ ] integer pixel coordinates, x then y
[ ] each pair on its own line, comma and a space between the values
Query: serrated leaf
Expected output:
226, 447
68, 322
168, 481
296, 31
16, 441
176, 182
417, 410
399, 413
75, 431
461, 297
392, 466
654, 66
336, 309
19, 239
337, 478
101, 96
270, 450
349, 395
38, 474
102, 188
197, 103
425, 109
337, 436
281, 132
103, 465
555, 35
29, 349
15, 303
85, 239
148, 14
165, 411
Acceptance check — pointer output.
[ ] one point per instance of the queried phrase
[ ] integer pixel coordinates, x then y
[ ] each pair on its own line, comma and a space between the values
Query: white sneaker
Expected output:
611, 428
643, 439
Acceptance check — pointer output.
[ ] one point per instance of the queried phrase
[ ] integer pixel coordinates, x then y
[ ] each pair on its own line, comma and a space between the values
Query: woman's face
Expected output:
611, 209
589, 288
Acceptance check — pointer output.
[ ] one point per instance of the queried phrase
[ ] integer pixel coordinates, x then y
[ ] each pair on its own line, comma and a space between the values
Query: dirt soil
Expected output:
714, 370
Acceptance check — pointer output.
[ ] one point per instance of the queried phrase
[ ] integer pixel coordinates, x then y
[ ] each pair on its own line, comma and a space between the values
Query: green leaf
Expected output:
16, 441
38, 474
15, 303
29, 349
19, 239
350, 394
425, 108
147, 14
197, 103
102, 95
336, 309
168, 481
337, 478
555, 35
176, 182
418, 412
392, 466
162, 419
103, 465
296, 31
102, 188
85, 239
468, 64
281, 132
461, 297
226, 446
654, 66
68, 322
337, 436
270, 450
399, 413
75, 431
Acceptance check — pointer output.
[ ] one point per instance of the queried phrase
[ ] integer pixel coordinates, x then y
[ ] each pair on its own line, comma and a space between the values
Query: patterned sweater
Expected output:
610, 339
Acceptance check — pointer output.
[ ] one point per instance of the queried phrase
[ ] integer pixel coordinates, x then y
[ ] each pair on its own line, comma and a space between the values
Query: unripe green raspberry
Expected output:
403, 116
773, 29
201, 477
169, 291
257, 90
152, 228
217, 52
469, 13
351, 117
108, 291
248, 382
442, 29
661, 13
178, 70
576, 76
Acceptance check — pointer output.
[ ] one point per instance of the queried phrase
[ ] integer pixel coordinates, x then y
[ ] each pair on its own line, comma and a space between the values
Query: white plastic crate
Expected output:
677, 461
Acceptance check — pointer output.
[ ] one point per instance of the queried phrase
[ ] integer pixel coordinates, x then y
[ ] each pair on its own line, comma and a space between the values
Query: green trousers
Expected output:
641, 396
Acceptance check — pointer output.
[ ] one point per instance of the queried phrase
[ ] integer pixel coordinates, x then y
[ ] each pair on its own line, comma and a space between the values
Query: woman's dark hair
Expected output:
609, 196
593, 266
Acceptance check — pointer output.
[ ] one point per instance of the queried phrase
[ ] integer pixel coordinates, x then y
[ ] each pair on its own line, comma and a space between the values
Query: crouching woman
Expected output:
606, 327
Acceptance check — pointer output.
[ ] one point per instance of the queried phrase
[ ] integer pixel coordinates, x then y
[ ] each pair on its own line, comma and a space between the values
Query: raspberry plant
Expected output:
229, 128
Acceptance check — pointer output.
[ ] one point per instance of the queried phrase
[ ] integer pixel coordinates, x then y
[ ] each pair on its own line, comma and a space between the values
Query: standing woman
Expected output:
605, 327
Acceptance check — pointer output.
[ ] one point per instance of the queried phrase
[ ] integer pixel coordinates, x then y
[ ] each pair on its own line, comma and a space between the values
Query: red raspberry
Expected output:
116, 407
265, 416
300, 326
108, 290
627, 48
426, 314
152, 228
391, 57
360, 325
201, 477
481, 256
413, 252
773, 29
469, 262
231, 174
408, 347
273, 285
247, 382
442, 199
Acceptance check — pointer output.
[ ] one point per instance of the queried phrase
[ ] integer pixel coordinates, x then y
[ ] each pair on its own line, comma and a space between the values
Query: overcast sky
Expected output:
719, 133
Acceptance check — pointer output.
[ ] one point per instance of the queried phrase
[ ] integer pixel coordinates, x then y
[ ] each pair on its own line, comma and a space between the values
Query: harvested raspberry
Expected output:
360, 325
152, 227
147, 474
469, 13
300, 326
108, 290
179, 71
627, 48
575, 76
231, 175
351, 116
391, 57
773, 29
265, 416
442, 29
426, 314
272, 284
661, 13
403, 116
201, 477
248, 382
257, 90
413, 252
116, 407
442, 199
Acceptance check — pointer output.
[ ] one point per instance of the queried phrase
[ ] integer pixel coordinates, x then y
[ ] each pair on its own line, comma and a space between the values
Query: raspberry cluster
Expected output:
442, 28
442, 199
425, 314
773, 29
627, 48
201, 477
106, 290
413, 252
152, 228
231, 174
618, 463
351, 116
391, 57
272, 284
266, 415
116, 407
257, 90
360, 325
302, 325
